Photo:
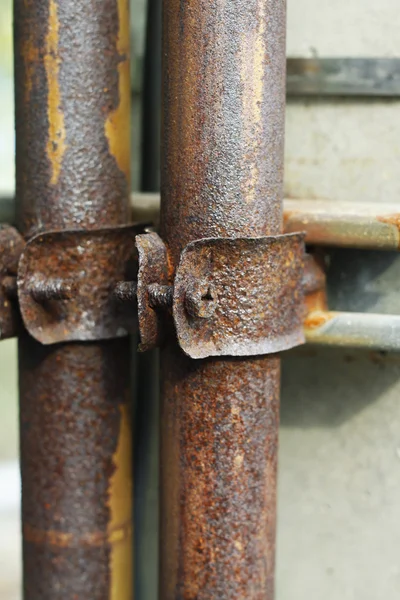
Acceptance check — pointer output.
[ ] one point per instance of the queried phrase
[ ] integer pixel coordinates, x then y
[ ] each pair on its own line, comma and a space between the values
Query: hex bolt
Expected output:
44, 290
126, 291
160, 296
201, 299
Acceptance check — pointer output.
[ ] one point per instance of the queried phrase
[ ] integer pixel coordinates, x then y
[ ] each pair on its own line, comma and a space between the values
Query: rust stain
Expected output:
316, 301
393, 220
56, 143
61, 539
317, 318
121, 560
117, 127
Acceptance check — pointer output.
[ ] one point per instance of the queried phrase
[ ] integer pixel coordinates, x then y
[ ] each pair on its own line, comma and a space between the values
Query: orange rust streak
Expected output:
67, 540
56, 140
317, 319
316, 301
117, 126
390, 220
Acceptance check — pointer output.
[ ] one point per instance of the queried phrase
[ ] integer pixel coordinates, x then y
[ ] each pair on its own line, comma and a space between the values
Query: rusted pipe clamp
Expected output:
68, 283
230, 296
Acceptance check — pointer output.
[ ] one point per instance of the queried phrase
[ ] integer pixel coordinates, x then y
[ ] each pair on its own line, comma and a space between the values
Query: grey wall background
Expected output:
339, 478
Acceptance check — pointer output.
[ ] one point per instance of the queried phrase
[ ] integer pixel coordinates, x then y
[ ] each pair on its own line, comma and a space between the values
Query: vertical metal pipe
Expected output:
72, 171
222, 166
146, 438
151, 100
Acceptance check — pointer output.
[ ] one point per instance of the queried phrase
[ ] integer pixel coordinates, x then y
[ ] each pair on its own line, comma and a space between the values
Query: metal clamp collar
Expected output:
231, 296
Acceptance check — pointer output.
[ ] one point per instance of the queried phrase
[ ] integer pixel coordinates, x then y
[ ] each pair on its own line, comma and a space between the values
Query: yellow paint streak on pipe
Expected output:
121, 514
56, 138
117, 127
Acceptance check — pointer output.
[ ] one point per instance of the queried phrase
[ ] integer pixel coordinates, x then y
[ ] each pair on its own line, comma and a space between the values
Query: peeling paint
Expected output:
56, 143
117, 127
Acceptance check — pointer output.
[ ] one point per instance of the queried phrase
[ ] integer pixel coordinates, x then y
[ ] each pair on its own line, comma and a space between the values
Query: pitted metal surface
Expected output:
72, 104
77, 272
221, 176
254, 287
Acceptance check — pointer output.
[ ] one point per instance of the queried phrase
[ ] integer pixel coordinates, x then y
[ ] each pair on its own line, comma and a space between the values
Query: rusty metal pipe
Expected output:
222, 167
72, 171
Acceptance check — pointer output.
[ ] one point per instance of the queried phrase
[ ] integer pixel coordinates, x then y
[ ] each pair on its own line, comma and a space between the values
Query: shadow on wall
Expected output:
326, 387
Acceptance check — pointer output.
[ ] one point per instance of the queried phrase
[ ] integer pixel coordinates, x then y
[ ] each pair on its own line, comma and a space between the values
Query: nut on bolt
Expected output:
201, 299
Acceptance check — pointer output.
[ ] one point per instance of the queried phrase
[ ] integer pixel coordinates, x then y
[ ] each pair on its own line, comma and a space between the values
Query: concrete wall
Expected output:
339, 491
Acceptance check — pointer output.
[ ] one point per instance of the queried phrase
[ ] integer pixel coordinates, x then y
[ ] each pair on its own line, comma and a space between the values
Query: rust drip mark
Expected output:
254, 56
117, 126
92, 539
393, 220
121, 512
56, 139
316, 302
317, 319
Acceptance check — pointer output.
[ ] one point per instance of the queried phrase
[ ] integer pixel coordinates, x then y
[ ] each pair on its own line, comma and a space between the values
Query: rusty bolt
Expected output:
160, 296
201, 299
126, 291
43, 290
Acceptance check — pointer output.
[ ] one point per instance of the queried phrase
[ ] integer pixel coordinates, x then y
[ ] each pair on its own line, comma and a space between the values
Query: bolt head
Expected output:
201, 299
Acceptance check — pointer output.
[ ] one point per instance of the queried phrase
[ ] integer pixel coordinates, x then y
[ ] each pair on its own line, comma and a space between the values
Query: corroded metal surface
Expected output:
72, 161
94, 261
11, 246
72, 78
222, 163
152, 270
254, 288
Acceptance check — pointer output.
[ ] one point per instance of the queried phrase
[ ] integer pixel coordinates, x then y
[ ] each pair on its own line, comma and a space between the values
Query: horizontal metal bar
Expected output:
370, 77
364, 225
326, 222
353, 330
362, 77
